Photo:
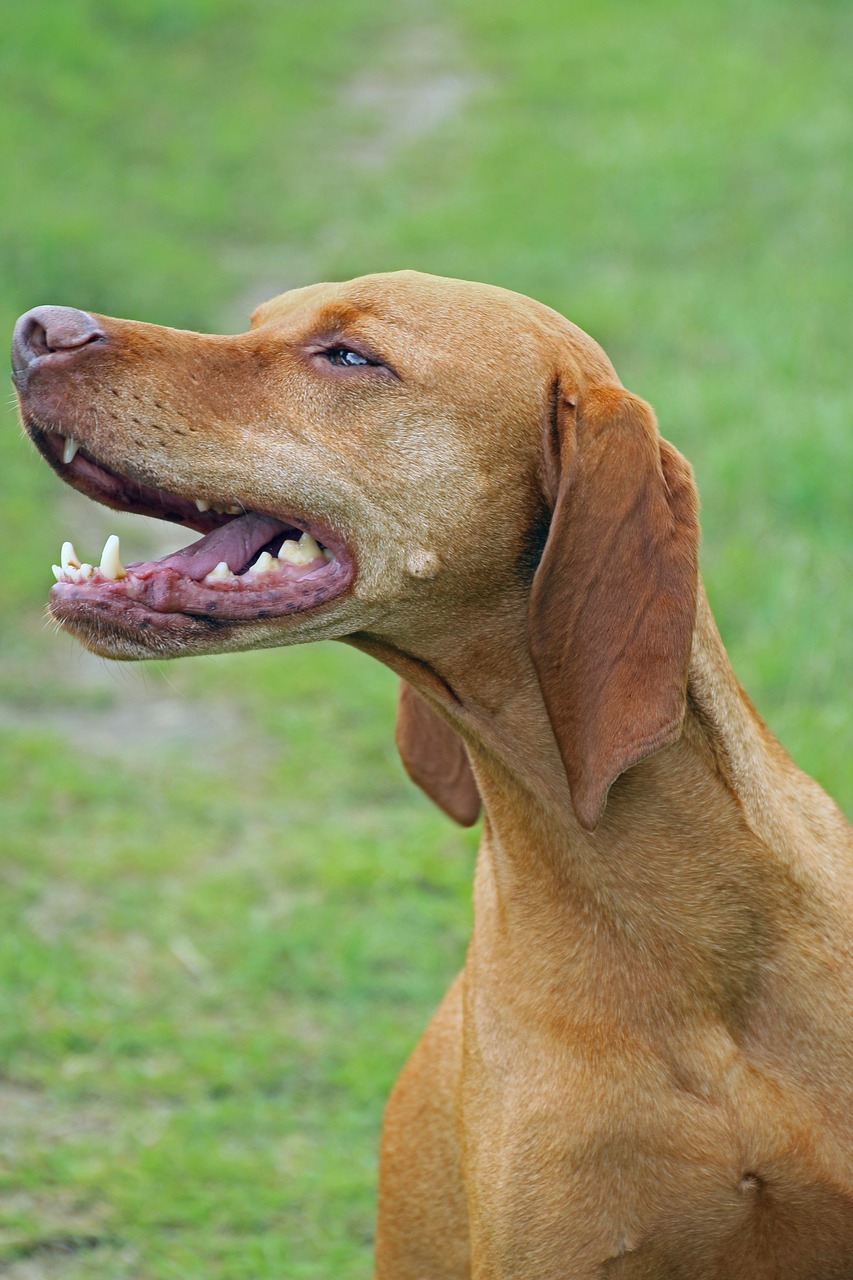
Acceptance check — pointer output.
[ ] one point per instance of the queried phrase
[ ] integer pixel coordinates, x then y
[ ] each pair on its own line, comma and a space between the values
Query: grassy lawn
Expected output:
226, 914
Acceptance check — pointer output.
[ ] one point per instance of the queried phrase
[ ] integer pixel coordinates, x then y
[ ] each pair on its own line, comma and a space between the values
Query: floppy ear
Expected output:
614, 598
434, 757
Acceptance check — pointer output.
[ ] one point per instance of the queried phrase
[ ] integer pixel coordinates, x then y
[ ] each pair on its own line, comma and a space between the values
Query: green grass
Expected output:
226, 914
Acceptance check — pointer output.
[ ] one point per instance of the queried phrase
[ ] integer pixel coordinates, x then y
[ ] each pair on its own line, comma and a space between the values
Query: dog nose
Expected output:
48, 329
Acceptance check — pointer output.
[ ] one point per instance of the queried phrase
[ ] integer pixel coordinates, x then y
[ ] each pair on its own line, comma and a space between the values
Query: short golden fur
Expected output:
645, 1068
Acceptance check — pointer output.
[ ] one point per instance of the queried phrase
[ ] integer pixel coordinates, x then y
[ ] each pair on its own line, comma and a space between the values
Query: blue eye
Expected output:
343, 356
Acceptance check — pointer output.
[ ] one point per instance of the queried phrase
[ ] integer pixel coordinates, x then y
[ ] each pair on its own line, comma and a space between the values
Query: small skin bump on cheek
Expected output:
423, 564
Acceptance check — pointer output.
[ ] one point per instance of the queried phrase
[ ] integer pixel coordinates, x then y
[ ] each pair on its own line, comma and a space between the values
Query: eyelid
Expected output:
327, 342
347, 348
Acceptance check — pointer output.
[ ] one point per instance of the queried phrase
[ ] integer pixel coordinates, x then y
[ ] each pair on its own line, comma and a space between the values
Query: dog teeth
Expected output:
289, 552
111, 565
301, 552
69, 449
309, 546
69, 568
72, 570
68, 557
83, 574
264, 563
220, 574
231, 509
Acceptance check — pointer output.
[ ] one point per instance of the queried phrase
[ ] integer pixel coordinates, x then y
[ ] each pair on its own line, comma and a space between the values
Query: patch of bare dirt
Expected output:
416, 84
72, 1258
30, 1118
126, 712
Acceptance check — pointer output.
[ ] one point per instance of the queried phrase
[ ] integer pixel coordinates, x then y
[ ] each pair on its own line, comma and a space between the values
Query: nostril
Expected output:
48, 330
34, 338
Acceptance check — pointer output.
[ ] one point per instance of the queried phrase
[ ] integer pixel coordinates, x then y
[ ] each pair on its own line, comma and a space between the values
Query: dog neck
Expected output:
678, 895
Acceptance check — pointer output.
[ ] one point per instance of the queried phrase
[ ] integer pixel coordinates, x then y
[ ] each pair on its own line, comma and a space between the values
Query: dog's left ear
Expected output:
613, 602
434, 757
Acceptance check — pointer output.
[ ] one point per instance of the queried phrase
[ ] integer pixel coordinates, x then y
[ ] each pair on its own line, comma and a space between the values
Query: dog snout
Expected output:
47, 331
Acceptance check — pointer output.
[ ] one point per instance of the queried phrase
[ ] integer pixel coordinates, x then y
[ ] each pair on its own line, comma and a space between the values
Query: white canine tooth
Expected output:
69, 449
220, 574
202, 505
68, 557
111, 565
264, 563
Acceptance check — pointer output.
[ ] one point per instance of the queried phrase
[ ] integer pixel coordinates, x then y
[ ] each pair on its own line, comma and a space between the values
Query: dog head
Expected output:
385, 459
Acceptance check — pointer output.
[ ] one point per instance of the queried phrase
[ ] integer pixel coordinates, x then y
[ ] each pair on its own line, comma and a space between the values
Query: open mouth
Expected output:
248, 565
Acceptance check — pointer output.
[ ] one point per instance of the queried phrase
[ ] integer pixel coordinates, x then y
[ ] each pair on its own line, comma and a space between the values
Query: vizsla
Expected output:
645, 1068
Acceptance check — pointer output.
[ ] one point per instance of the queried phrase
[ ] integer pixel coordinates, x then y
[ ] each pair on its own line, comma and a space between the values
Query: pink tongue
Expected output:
235, 543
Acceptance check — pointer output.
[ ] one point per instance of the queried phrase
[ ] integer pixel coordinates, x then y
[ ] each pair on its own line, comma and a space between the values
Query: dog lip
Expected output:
182, 582
164, 592
123, 493
167, 588
111, 488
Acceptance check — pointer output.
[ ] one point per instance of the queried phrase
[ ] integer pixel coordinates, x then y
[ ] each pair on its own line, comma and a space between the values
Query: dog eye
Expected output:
344, 357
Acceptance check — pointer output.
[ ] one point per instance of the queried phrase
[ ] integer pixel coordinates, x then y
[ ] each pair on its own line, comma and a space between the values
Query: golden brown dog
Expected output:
646, 1066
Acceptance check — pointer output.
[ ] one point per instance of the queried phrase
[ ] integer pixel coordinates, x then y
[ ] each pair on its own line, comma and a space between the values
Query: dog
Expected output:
645, 1069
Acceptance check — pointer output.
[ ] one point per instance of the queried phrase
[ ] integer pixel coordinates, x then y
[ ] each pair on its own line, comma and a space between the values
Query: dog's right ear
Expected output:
434, 757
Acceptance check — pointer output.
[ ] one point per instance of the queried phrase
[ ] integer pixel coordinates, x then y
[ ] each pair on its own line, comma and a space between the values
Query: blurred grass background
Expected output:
225, 914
